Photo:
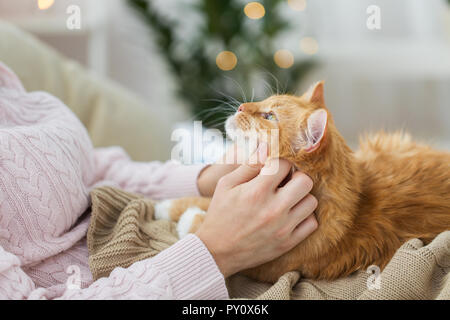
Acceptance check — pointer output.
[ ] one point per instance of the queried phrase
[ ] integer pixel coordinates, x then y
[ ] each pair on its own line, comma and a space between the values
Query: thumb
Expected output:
250, 169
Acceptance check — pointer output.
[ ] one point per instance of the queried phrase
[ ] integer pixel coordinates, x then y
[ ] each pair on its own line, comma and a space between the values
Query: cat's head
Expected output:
300, 121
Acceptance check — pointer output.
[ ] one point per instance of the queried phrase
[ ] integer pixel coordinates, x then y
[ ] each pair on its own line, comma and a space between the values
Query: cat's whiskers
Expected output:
239, 86
267, 86
277, 82
229, 97
223, 102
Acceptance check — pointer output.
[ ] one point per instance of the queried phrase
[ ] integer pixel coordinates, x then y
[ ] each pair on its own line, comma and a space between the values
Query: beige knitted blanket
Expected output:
122, 232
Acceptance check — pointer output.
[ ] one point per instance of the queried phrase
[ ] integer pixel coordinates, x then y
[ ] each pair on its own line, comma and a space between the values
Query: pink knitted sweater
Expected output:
47, 168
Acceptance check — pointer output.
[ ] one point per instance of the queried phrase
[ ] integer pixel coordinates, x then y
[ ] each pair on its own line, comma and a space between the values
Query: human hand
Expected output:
210, 175
251, 220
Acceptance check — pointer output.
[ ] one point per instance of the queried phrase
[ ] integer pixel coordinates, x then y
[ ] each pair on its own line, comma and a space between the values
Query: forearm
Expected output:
156, 180
185, 270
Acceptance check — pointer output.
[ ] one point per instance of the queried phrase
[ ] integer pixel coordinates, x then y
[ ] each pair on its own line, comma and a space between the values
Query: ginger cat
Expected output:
370, 201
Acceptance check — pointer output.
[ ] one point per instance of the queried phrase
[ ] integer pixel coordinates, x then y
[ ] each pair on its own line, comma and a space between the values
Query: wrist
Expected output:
222, 259
203, 181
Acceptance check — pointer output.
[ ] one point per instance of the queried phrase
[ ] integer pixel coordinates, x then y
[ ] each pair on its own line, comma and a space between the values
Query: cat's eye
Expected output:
269, 116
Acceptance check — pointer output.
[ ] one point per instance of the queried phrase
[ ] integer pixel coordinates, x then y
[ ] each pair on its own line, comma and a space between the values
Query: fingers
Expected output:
231, 156
274, 172
302, 210
247, 171
295, 189
303, 230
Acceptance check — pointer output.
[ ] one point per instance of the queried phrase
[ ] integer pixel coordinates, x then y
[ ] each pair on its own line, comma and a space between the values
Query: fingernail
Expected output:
262, 152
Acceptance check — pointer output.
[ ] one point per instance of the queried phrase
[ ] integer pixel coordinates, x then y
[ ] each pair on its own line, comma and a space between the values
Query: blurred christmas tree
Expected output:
227, 56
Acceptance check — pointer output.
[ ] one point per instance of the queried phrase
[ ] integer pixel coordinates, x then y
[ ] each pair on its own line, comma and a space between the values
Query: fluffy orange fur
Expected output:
370, 201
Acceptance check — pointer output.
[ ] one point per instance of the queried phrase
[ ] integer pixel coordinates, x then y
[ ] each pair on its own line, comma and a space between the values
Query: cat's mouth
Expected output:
240, 128
231, 127
245, 139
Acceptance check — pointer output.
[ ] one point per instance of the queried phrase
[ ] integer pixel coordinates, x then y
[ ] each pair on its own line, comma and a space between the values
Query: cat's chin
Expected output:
234, 132
231, 128
241, 138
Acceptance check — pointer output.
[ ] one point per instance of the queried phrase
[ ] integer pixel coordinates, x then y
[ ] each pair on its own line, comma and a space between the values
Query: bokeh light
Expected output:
297, 5
283, 58
45, 4
309, 45
254, 10
226, 60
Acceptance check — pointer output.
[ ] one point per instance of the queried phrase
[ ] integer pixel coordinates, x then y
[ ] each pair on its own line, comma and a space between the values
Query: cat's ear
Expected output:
315, 94
317, 126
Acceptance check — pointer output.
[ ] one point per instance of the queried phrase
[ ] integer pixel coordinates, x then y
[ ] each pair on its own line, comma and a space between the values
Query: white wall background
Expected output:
396, 77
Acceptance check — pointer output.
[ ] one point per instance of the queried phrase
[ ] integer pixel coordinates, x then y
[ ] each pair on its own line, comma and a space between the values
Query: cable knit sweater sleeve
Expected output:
186, 270
154, 179
47, 168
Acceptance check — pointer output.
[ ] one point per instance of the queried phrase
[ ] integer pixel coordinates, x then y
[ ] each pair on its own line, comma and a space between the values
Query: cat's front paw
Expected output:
163, 209
189, 221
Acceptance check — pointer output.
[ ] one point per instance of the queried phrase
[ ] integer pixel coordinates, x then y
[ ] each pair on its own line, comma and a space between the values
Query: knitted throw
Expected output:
122, 231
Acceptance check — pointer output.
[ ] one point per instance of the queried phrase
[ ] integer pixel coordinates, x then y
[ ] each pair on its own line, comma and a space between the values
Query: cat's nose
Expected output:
241, 108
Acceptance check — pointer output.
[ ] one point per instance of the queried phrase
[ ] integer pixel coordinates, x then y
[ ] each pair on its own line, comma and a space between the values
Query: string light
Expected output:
254, 10
283, 58
45, 4
309, 45
226, 60
297, 5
